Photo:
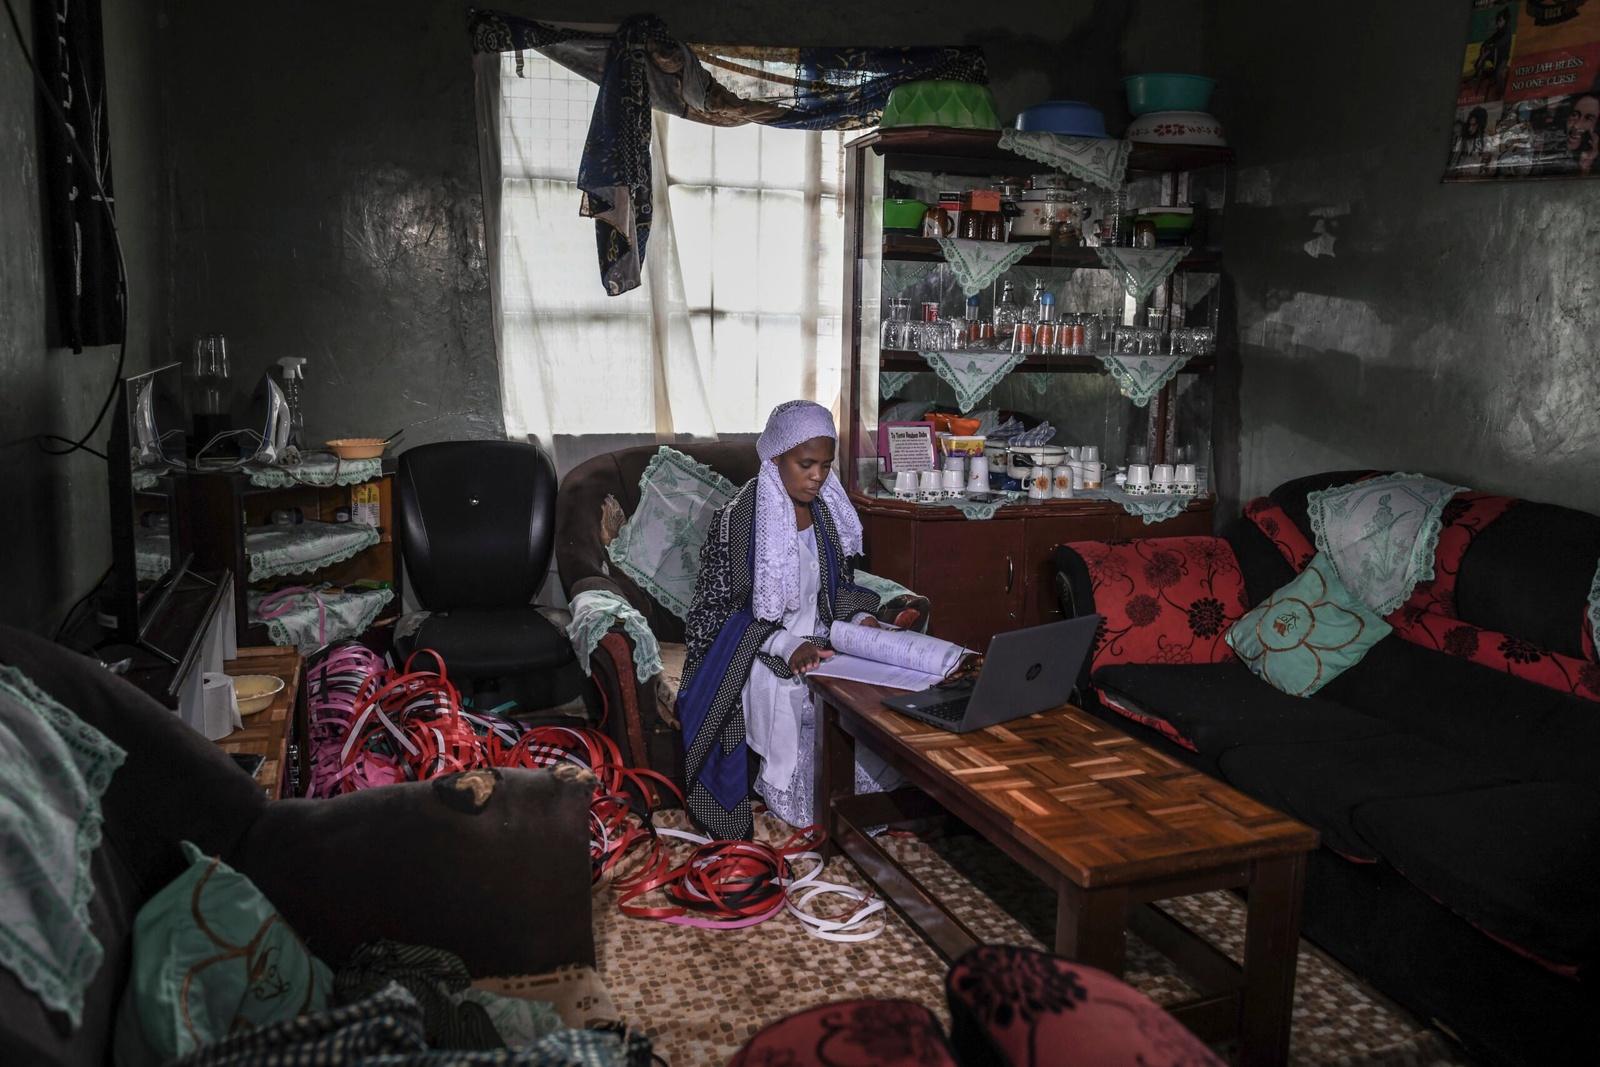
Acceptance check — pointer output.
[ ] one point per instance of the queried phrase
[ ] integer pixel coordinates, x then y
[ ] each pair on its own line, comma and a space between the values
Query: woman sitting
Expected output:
775, 572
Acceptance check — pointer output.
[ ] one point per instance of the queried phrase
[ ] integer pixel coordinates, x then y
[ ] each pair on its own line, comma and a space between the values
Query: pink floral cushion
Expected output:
853, 1033
1019, 1007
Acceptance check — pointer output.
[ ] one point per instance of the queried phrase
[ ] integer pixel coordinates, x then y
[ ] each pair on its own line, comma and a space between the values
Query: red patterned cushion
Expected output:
1164, 599
1280, 529
1022, 1008
853, 1033
1566, 674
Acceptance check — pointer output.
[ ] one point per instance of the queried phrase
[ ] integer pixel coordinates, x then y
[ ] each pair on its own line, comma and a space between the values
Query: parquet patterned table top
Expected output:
1098, 806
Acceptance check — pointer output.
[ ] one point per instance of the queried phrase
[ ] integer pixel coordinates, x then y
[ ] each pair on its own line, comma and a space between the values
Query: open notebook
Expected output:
883, 655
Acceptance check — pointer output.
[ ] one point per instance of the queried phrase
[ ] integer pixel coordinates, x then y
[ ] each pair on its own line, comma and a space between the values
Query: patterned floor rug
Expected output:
700, 994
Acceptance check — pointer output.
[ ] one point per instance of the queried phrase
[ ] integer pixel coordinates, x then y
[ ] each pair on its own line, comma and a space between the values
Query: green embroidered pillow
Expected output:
659, 546
211, 957
1307, 633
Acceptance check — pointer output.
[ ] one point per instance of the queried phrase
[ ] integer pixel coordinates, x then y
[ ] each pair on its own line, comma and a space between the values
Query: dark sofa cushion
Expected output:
1218, 706
1528, 574
1325, 783
1521, 862
1526, 732
1262, 564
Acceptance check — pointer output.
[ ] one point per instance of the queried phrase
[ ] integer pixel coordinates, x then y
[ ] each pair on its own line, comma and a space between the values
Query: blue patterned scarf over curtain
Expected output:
643, 66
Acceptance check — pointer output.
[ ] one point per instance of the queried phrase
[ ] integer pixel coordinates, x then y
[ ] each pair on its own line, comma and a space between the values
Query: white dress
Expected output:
780, 722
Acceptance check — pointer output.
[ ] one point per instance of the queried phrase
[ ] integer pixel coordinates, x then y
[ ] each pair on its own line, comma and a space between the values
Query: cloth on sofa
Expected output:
594, 613
1380, 534
54, 768
386, 1030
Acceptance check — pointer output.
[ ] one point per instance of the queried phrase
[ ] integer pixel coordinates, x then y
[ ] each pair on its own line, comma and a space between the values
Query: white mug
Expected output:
1089, 453
1093, 472
905, 485
1138, 479
1184, 479
1039, 483
1161, 478
1065, 480
978, 478
930, 487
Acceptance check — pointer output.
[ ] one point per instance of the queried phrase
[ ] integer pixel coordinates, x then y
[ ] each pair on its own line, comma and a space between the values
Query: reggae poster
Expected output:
1527, 103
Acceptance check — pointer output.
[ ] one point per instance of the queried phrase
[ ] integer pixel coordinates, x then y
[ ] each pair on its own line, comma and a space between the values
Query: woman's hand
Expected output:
807, 656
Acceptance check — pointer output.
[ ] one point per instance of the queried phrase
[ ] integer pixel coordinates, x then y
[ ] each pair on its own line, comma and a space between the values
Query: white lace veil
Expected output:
777, 550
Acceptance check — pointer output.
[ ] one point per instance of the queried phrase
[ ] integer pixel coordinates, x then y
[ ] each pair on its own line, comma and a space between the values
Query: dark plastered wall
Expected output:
54, 543
1386, 319
325, 179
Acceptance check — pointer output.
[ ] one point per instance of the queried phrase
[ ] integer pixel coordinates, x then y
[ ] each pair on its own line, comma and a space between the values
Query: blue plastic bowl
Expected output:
1069, 117
1168, 92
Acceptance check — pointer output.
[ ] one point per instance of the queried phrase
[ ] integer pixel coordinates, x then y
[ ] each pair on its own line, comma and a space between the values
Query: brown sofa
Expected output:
396, 862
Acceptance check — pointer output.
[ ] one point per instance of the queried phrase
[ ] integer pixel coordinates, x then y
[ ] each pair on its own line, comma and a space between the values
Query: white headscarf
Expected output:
777, 555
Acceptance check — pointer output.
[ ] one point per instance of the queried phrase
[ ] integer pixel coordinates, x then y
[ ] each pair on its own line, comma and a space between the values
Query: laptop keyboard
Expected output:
949, 710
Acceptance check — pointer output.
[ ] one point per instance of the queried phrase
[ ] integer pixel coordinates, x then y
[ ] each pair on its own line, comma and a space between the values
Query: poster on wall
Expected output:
1527, 103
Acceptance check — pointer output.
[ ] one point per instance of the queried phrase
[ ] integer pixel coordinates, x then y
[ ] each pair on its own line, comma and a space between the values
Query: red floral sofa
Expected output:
1451, 772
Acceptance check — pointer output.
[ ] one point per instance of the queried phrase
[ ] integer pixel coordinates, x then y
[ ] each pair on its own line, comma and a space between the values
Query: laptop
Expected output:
1025, 671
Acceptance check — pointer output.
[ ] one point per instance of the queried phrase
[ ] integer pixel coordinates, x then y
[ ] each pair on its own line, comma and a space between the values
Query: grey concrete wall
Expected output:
54, 545
326, 186
1450, 329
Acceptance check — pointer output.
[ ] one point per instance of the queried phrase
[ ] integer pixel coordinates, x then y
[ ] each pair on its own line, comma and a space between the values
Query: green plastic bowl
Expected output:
903, 214
1168, 92
1169, 223
962, 105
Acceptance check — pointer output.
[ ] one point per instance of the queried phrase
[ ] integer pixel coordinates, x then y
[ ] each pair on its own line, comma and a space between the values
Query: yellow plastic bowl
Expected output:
357, 447
255, 692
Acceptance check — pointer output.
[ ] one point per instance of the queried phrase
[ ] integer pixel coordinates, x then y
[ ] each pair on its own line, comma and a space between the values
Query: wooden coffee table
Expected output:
1111, 824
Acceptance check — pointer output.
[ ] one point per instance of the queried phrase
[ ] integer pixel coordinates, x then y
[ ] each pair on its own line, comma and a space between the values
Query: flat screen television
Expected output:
149, 518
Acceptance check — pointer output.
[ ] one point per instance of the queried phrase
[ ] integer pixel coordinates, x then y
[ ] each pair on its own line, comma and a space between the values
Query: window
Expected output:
740, 305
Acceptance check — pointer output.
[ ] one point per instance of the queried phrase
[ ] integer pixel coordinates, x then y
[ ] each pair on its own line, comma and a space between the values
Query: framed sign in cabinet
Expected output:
1074, 328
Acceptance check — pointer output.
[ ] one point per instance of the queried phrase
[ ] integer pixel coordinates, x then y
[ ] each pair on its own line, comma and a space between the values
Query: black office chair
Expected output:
477, 526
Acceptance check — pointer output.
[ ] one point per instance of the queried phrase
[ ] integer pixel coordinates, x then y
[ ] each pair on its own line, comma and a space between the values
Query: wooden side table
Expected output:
276, 733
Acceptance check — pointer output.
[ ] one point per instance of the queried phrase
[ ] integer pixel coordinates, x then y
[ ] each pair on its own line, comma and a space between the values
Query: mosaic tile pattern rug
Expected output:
701, 994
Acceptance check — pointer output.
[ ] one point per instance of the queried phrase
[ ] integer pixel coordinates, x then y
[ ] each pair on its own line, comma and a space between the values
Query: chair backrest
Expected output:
477, 522
580, 551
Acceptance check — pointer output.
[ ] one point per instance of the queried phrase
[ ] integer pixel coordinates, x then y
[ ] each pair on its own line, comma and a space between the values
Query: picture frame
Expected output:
908, 446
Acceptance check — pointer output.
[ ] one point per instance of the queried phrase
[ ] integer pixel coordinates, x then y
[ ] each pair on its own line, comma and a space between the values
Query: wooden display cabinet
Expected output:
988, 576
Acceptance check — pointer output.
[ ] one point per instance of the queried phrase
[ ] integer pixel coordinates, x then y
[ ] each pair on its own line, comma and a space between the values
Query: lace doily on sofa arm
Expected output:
594, 613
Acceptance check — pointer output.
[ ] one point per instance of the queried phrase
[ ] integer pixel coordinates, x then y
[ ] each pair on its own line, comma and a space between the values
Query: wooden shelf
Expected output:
985, 145
926, 249
890, 359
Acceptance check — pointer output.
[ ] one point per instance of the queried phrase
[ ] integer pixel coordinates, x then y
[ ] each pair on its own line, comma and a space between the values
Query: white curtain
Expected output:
740, 305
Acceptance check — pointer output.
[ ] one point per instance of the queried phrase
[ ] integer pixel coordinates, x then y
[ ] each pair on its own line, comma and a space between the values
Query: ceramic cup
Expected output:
954, 483
1093, 472
1064, 480
1185, 480
1161, 478
1089, 453
1138, 480
930, 487
1039, 483
905, 485
978, 477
